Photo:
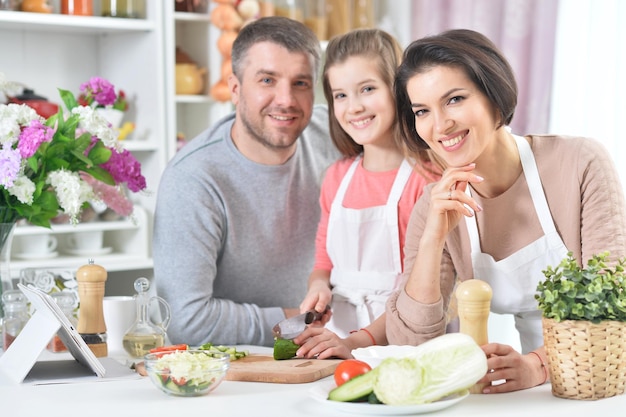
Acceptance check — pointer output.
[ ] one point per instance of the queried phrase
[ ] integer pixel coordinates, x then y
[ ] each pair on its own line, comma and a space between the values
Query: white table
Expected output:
139, 397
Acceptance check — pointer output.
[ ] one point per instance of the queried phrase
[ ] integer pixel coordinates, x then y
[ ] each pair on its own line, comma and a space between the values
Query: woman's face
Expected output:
363, 102
455, 119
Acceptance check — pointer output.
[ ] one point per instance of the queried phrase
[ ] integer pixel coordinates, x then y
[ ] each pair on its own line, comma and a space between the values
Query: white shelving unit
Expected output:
193, 33
49, 51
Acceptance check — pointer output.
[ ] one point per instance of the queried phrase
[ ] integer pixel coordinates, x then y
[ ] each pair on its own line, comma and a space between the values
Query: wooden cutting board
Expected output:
263, 368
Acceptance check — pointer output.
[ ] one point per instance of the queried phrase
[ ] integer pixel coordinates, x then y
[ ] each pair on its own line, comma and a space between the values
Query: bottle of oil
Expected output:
146, 334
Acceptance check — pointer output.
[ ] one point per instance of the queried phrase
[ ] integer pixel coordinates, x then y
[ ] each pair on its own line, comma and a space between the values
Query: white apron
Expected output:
364, 247
514, 279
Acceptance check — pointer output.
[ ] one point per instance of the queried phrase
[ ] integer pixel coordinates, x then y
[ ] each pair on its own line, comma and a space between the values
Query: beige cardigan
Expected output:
585, 198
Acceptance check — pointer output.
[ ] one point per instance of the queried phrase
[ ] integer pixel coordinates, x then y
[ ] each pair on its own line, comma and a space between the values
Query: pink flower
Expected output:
100, 90
125, 168
110, 195
32, 137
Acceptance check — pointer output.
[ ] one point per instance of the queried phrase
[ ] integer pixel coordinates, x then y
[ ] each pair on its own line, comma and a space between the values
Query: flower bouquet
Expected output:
59, 164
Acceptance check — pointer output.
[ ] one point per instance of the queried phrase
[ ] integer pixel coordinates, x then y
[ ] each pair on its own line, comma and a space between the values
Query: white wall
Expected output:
589, 92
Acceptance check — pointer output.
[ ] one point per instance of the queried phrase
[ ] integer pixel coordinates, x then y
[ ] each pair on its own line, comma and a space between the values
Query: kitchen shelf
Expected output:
128, 239
192, 17
50, 51
60, 23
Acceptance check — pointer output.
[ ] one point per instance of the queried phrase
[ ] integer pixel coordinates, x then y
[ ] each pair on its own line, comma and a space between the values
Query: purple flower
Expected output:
99, 90
125, 168
32, 136
9, 166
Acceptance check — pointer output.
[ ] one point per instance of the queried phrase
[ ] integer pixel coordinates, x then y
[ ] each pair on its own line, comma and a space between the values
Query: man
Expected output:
238, 208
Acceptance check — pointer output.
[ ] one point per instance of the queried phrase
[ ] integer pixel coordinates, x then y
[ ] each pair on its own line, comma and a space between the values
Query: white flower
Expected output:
12, 117
10, 88
71, 191
23, 188
97, 125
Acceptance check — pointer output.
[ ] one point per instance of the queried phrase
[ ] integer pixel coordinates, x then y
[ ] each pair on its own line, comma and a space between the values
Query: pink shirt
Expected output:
367, 189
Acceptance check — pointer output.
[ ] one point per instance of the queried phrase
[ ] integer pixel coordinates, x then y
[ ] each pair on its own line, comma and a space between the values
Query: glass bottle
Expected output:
77, 7
146, 334
15, 315
289, 8
134, 9
315, 18
66, 302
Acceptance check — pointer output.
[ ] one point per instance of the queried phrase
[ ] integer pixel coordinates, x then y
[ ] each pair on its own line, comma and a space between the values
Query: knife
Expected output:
292, 327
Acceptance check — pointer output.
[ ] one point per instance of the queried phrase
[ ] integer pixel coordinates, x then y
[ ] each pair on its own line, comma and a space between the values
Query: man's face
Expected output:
274, 101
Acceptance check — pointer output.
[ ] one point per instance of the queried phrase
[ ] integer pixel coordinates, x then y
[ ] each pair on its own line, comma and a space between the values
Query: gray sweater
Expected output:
233, 239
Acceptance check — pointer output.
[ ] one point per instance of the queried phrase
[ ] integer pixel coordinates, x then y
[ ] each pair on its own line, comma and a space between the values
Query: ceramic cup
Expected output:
40, 244
85, 241
119, 315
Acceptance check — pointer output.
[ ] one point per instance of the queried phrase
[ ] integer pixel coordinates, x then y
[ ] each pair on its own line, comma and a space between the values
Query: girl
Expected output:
366, 197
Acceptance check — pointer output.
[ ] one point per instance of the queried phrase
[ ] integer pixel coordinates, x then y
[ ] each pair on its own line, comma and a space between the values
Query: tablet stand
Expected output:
48, 319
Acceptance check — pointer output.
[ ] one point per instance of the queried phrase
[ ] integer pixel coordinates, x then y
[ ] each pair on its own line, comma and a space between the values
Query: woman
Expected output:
366, 197
506, 206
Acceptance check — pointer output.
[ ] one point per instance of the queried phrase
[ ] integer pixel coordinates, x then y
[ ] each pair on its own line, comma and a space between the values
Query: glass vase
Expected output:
6, 282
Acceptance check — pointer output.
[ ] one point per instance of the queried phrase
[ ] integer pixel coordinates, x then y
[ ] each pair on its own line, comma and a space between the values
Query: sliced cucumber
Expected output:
356, 389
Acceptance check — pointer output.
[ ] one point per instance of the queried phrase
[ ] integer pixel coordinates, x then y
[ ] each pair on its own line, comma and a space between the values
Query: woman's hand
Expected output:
516, 370
321, 343
449, 202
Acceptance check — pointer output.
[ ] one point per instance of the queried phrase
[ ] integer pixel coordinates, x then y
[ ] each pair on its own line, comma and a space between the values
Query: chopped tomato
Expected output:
350, 368
170, 348
180, 381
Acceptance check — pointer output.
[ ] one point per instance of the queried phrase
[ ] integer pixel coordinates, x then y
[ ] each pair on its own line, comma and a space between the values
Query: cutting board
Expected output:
263, 368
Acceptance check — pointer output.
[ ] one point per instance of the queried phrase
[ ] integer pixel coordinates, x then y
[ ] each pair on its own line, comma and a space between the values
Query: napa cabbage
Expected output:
439, 367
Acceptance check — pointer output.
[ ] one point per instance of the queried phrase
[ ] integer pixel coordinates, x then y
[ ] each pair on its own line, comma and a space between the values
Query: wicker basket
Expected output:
587, 361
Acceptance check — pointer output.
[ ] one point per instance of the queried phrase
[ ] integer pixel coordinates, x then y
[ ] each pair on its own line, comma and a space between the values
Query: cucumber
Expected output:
284, 349
356, 389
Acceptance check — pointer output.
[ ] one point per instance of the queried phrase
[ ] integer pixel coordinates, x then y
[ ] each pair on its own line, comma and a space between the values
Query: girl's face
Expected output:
455, 119
363, 102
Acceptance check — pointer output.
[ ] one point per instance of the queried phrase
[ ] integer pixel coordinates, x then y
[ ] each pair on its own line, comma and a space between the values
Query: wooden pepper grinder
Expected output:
474, 302
91, 282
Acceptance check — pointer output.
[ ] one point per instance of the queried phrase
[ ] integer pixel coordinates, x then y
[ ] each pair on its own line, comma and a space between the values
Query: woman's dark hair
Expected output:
375, 45
467, 50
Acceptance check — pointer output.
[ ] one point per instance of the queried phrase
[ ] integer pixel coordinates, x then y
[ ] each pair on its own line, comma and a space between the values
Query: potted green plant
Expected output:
584, 312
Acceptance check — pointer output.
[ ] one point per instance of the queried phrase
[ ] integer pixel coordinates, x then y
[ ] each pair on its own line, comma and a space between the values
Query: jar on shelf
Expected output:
66, 302
315, 18
15, 316
364, 14
77, 7
13, 5
134, 9
292, 9
340, 13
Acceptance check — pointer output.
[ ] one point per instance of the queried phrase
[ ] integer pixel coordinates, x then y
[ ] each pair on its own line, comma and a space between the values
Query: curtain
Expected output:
590, 65
524, 30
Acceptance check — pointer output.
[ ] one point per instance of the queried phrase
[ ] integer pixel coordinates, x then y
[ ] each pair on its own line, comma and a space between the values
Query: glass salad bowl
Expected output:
187, 373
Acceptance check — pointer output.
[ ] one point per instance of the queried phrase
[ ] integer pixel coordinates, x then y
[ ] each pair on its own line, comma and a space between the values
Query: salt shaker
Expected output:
91, 283
474, 302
